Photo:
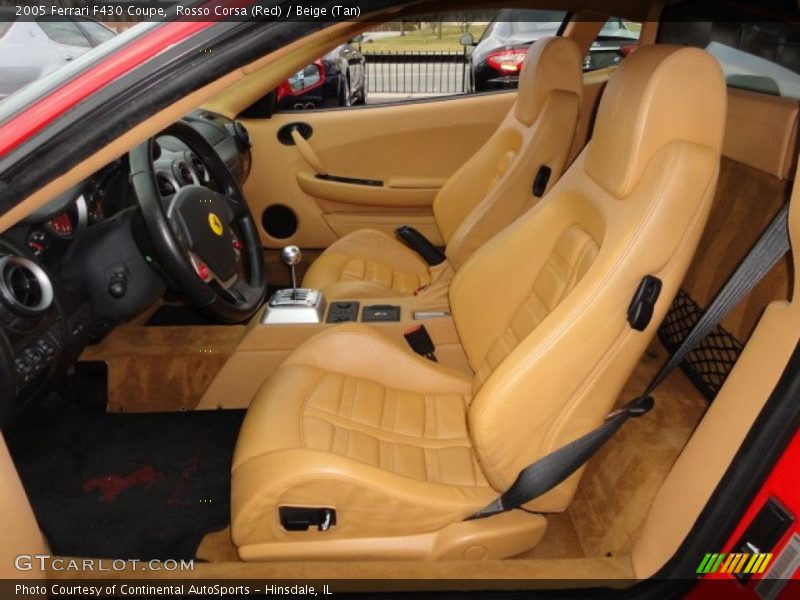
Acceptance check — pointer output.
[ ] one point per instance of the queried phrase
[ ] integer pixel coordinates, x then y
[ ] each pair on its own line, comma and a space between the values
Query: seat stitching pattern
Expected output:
375, 424
389, 436
358, 269
558, 276
304, 406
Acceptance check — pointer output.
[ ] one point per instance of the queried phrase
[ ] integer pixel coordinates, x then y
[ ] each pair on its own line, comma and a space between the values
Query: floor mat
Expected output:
126, 485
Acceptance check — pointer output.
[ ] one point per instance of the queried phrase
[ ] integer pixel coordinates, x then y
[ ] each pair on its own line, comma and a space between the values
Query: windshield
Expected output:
36, 48
40, 54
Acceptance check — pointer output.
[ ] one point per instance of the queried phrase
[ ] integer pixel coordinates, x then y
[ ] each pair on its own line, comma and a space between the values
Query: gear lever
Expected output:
292, 256
298, 305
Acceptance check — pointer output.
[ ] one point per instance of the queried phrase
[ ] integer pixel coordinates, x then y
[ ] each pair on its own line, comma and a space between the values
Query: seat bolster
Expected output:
403, 269
358, 350
369, 501
292, 387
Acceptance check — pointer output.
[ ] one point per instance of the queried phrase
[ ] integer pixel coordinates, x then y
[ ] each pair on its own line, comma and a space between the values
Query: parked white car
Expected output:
33, 49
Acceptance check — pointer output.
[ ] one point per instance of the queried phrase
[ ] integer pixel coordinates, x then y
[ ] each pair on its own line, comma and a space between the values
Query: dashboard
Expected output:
73, 270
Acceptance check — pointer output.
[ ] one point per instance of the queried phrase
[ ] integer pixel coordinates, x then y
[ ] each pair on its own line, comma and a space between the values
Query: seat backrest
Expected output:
542, 308
495, 186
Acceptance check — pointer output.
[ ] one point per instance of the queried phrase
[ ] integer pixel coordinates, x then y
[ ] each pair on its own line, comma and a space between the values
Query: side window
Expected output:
616, 40
97, 33
756, 56
437, 55
65, 33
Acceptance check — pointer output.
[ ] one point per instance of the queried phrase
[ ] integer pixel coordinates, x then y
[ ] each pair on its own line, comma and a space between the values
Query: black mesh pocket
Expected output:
710, 362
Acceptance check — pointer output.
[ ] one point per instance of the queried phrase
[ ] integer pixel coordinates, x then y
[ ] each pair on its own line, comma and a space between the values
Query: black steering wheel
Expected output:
205, 241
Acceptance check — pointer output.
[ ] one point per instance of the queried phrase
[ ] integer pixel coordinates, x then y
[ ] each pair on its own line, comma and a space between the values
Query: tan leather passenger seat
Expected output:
486, 194
403, 449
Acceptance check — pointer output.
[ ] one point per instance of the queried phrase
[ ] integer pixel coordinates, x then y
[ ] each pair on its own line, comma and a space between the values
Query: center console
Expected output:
293, 315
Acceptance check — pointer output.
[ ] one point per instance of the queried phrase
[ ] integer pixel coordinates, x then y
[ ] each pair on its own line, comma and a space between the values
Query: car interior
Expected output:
314, 344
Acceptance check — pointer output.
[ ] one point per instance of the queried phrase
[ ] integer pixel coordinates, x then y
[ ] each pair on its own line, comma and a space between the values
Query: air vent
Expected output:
184, 174
199, 168
165, 186
25, 288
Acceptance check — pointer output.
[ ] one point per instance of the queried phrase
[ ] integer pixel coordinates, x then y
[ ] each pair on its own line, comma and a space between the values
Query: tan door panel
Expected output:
343, 223
411, 147
372, 196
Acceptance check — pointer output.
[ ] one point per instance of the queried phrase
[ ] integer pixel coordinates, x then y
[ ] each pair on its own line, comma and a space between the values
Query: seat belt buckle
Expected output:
541, 180
643, 303
420, 342
421, 245
300, 518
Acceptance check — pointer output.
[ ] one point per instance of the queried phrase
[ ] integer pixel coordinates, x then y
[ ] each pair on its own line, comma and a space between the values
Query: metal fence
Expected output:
417, 72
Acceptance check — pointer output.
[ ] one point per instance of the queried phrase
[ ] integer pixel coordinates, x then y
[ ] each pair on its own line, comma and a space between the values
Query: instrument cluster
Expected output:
96, 199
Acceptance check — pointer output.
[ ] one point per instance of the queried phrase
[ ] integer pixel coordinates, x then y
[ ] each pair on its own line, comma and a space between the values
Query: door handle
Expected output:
307, 152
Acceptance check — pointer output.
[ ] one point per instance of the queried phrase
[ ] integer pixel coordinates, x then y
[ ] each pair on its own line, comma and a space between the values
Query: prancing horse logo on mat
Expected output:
114, 484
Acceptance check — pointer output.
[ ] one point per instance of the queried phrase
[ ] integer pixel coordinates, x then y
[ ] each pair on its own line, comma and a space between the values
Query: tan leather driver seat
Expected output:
403, 448
486, 194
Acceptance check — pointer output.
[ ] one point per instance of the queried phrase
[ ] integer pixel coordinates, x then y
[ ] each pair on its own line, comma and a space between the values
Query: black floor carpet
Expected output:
126, 485
179, 316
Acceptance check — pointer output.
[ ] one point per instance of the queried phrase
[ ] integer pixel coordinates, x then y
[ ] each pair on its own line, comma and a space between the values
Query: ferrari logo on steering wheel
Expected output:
215, 223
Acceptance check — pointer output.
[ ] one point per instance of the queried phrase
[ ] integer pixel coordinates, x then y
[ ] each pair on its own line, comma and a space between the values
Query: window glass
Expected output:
760, 57
431, 56
97, 33
615, 40
64, 32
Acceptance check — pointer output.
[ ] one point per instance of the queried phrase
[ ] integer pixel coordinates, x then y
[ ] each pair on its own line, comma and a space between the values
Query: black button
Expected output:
45, 347
33, 355
23, 366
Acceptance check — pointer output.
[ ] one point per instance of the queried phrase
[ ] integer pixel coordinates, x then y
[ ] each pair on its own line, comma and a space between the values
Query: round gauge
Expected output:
68, 222
37, 242
64, 224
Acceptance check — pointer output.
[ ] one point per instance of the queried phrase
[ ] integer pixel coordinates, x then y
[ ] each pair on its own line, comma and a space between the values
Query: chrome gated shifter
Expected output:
295, 305
292, 256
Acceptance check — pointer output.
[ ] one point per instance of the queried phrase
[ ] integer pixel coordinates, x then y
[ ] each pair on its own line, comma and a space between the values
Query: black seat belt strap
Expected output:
550, 470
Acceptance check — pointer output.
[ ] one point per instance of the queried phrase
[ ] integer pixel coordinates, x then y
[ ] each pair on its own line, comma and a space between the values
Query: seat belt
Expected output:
550, 470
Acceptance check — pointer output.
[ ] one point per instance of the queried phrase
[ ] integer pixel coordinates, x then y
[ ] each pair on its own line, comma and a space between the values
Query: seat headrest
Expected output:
552, 63
659, 94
